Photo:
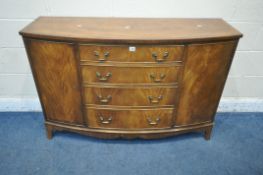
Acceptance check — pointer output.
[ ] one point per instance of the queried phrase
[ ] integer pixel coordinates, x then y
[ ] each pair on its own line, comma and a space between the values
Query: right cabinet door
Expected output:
205, 72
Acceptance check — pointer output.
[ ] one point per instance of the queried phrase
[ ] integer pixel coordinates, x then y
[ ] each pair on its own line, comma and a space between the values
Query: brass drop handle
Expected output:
103, 78
155, 100
106, 55
155, 56
104, 99
157, 80
153, 122
105, 121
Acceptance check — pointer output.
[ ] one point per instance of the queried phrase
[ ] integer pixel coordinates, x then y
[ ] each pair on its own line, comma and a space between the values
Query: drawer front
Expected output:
130, 96
129, 119
111, 74
124, 53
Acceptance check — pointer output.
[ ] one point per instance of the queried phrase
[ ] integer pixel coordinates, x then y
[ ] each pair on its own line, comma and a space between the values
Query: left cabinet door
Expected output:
55, 70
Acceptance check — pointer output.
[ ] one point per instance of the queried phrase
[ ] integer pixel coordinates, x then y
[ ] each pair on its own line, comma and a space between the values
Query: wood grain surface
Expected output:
132, 75
204, 76
128, 77
129, 119
130, 30
142, 96
132, 53
55, 71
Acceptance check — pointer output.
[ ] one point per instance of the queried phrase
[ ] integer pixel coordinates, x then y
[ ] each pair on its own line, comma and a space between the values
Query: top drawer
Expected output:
124, 53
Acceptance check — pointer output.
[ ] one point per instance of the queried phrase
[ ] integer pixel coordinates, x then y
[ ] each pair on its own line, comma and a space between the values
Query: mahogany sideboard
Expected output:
129, 77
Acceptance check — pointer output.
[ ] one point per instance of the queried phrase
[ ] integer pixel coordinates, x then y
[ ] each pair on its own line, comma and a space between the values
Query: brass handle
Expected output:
103, 78
157, 80
155, 56
153, 122
106, 55
105, 121
104, 100
155, 100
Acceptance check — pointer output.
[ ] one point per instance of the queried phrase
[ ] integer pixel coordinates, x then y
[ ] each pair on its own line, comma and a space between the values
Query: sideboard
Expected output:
129, 77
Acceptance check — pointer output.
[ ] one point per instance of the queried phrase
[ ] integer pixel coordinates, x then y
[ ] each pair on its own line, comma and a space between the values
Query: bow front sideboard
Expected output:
129, 77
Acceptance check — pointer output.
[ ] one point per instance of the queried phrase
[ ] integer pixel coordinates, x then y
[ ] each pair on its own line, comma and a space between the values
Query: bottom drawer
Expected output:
129, 119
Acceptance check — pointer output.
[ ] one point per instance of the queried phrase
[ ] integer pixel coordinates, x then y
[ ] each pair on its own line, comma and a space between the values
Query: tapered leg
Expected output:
49, 132
207, 133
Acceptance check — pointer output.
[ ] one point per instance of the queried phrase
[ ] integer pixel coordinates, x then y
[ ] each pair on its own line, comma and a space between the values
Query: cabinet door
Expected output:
204, 76
54, 67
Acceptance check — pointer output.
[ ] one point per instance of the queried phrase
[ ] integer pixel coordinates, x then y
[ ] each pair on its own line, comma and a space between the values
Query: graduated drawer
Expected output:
124, 53
114, 74
141, 96
129, 119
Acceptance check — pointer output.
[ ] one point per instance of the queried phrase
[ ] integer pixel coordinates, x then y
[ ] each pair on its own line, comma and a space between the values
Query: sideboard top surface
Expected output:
130, 30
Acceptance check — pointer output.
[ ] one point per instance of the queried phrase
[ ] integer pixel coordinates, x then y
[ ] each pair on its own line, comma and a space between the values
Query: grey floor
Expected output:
236, 147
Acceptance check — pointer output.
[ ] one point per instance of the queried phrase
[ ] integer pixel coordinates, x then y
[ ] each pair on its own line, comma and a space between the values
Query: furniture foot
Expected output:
207, 133
49, 132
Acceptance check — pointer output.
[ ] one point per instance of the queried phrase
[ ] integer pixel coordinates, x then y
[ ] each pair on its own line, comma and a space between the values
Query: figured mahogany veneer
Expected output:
124, 53
129, 118
123, 96
130, 75
127, 77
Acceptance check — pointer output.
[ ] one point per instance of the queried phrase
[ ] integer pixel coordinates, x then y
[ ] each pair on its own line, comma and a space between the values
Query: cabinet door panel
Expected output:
204, 76
55, 71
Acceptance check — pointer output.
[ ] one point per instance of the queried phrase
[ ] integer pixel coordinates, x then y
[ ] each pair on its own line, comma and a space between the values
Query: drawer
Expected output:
123, 53
130, 96
112, 74
129, 119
